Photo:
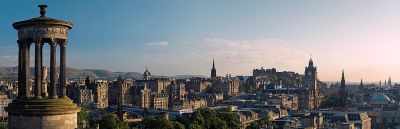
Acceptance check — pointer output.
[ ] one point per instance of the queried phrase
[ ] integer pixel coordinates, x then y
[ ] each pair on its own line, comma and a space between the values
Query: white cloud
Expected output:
232, 56
8, 60
160, 43
260, 52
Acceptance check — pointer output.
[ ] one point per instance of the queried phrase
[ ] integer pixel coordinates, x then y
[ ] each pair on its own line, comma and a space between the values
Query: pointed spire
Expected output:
361, 83
311, 63
213, 63
213, 70
343, 81
342, 74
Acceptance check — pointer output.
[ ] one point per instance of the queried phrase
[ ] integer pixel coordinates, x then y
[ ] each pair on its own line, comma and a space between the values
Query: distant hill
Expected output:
188, 76
11, 74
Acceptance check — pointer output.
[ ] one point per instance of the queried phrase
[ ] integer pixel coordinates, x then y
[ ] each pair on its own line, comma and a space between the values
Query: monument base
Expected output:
42, 114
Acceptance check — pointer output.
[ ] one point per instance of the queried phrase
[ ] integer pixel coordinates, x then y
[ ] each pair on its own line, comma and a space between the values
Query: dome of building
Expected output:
380, 97
146, 73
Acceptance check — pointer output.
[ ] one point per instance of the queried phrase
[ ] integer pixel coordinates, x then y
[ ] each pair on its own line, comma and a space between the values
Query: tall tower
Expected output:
389, 81
309, 97
120, 83
39, 111
213, 71
311, 77
342, 90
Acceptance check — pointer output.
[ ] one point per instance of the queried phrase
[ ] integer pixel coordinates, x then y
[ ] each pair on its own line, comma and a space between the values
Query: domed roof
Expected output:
380, 97
146, 73
42, 20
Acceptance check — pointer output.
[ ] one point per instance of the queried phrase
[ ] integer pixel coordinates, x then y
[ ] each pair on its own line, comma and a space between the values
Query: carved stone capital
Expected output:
23, 43
53, 42
38, 41
63, 42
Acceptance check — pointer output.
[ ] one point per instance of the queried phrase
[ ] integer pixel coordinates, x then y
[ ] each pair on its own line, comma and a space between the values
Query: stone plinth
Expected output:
42, 114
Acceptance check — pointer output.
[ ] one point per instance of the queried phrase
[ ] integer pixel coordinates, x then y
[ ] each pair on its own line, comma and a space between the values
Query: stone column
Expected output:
25, 71
21, 88
38, 68
53, 80
44, 82
63, 80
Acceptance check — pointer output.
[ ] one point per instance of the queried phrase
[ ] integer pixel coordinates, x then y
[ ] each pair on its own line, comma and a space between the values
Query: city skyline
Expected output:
175, 38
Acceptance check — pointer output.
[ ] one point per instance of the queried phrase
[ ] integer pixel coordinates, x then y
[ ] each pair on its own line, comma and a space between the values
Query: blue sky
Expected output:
182, 37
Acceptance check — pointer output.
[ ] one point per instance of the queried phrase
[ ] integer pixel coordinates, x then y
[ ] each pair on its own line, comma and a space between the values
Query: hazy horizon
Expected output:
181, 37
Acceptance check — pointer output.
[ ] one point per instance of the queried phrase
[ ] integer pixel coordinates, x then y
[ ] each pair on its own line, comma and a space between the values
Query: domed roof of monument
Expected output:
380, 97
41, 20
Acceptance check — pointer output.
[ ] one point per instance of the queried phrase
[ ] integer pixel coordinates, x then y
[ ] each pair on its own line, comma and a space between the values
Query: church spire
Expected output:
361, 83
213, 70
342, 90
213, 64
343, 80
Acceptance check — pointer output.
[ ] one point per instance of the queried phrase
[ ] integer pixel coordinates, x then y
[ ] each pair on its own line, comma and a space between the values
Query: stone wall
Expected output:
64, 121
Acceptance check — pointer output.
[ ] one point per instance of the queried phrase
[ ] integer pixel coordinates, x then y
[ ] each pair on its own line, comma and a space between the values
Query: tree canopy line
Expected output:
331, 101
204, 118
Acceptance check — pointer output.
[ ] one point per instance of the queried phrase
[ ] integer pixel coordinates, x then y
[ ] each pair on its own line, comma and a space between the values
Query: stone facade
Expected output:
198, 85
126, 92
159, 101
100, 90
141, 96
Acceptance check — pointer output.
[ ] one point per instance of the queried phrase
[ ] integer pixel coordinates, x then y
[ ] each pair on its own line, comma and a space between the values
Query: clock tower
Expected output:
308, 96
310, 77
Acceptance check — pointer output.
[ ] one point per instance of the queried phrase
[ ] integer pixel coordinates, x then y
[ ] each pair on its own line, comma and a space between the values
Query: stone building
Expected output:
91, 94
198, 85
80, 94
159, 101
195, 103
4, 101
100, 90
158, 85
383, 111
141, 96
228, 85
126, 92
177, 92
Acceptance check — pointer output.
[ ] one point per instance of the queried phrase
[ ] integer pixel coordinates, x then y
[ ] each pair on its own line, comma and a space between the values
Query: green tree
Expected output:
231, 119
83, 117
3, 127
178, 125
331, 101
152, 122
206, 118
110, 121
263, 122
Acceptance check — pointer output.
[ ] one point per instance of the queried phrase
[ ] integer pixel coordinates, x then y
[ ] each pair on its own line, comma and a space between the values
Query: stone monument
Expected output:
37, 110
